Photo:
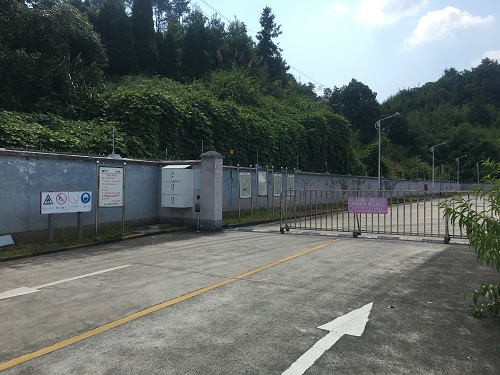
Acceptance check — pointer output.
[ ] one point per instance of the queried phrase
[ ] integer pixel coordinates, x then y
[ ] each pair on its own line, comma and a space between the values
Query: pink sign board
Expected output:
367, 205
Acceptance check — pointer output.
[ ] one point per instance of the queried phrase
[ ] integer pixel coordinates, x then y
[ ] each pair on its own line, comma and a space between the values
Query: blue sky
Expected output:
386, 44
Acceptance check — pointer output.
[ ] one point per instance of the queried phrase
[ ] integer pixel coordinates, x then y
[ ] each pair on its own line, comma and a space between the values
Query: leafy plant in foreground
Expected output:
482, 228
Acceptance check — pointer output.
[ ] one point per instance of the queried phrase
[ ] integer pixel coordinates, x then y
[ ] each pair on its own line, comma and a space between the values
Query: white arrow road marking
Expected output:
26, 290
352, 323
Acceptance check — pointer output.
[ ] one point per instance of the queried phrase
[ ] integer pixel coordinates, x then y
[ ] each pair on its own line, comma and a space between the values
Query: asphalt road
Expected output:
238, 302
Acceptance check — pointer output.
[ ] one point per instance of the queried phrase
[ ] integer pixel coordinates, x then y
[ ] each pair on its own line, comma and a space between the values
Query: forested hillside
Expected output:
169, 81
461, 109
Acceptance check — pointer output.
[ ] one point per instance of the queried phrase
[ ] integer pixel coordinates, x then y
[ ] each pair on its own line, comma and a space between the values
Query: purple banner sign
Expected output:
367, 205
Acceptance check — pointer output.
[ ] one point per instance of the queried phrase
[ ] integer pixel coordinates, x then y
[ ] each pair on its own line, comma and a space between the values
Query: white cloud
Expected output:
338, 8
388, 12
493, 55
440, 24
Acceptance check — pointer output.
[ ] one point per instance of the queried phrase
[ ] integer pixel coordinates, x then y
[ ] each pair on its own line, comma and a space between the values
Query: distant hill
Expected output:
167, 80
461, 109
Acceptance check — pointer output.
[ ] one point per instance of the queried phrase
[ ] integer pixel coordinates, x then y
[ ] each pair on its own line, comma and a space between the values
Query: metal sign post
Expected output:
97, 189
123, 199
62, 202
51, 228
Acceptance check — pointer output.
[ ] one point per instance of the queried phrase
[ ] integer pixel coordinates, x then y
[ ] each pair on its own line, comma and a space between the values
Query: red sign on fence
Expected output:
367, 205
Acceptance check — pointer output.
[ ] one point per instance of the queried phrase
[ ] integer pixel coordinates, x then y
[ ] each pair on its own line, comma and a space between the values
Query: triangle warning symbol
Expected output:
48, 200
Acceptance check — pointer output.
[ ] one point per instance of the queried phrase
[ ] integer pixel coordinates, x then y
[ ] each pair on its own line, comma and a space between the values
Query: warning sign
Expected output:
368, 205
53, 202
47, 200
62, 198
61, 202
79, 201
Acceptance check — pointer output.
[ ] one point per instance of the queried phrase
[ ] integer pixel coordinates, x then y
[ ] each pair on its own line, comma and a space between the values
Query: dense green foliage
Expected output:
47, 51
482, 228
54, 133
203, 82
462, 109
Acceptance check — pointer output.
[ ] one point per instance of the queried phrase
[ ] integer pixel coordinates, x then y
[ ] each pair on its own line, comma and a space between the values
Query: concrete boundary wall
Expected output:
24, 174
311, 181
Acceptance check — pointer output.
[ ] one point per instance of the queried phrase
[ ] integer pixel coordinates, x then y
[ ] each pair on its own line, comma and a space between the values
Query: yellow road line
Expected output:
106, 327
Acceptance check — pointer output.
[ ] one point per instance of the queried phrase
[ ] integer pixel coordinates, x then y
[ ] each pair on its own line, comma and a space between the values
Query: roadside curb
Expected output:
435, 240
250, 223
103, 242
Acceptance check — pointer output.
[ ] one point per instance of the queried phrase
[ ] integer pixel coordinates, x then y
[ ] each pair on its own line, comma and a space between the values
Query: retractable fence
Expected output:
409, 213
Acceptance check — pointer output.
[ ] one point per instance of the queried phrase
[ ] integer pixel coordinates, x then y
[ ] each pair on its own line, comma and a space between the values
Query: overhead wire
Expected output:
216, 11
318, 84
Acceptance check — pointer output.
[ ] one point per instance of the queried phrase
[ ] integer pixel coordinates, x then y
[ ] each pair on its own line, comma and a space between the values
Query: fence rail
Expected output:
410, 213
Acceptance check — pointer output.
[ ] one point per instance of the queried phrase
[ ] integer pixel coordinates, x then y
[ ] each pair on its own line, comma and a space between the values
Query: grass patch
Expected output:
261, 214
61, 241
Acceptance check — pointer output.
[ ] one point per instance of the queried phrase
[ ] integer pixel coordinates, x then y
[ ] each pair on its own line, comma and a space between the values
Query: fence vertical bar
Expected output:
432, 213
310, 210
404, 213
315, 210
425, 214
326, 212
385, 216
439, 214
392, 209
411, 213
418, 211
348, 215
342, 207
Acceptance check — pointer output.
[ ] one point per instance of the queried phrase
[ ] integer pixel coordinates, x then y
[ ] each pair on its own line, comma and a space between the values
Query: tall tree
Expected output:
239, 47
216, 38
168, 46
144, 35
115, 29
267, 50
167, 10
180, 8
162, 11
358, 104
195, 51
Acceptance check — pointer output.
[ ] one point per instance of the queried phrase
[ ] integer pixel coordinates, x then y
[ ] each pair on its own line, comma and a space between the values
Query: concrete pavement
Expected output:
265, 296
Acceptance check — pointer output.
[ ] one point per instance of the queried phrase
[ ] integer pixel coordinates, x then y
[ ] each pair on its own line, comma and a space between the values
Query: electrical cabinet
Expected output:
177, 186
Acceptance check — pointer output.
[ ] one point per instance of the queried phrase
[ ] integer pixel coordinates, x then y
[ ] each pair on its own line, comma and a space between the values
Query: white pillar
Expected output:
211, 191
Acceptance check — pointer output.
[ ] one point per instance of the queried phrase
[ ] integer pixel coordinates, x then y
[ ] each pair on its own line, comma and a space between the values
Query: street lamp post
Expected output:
477, 170
458, 170
432, 149
377, 126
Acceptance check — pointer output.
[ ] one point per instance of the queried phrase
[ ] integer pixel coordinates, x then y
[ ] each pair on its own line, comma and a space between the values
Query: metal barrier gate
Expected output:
410, 213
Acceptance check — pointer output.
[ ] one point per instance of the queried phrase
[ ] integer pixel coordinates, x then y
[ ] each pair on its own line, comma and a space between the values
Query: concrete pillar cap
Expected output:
212, 154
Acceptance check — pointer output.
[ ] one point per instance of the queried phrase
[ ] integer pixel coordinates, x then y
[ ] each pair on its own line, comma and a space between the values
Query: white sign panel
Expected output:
245, 185
61, 202
277, 184
53, 202
110, 187
79, 201
290, 184
262, 178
